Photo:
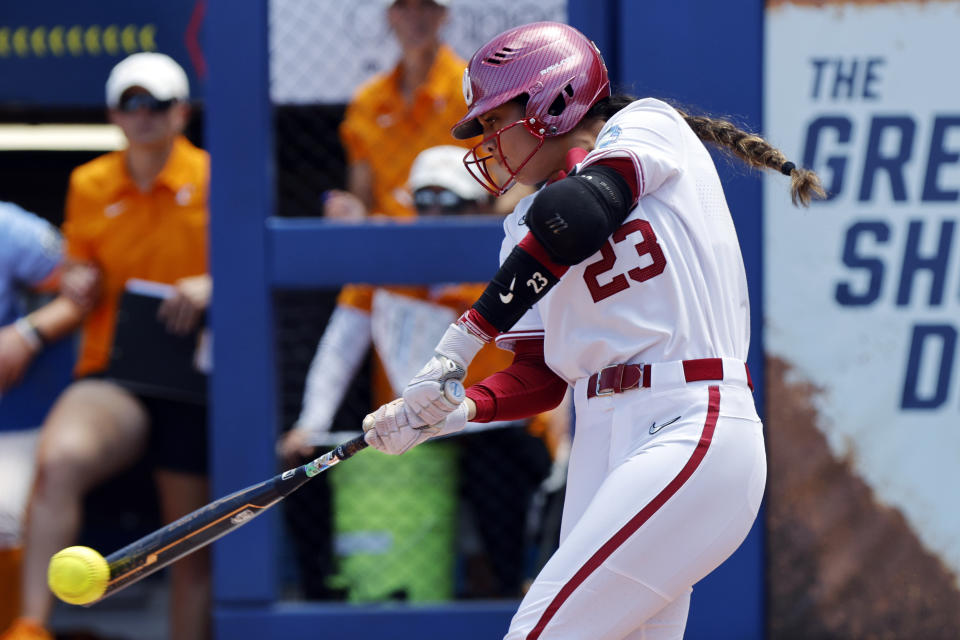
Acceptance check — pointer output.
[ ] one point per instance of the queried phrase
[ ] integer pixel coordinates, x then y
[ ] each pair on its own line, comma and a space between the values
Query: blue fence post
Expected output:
598, 20
239, 137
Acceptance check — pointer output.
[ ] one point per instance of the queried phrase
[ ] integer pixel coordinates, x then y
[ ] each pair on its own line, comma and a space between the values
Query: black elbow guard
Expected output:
573, 217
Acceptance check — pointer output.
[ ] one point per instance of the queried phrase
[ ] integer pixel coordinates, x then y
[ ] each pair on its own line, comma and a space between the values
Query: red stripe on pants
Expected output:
627, 530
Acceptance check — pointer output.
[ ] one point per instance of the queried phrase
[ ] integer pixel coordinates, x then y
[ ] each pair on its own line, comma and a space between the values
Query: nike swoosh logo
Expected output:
654, 427
505, 298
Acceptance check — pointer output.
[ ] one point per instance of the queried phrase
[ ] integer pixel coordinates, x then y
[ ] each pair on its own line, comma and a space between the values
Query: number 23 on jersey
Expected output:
646, 247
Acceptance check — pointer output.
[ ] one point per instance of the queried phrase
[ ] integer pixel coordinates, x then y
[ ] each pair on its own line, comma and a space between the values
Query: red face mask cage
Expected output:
477, 164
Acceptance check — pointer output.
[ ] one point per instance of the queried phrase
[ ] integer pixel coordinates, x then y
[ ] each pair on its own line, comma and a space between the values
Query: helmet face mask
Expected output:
478, 165
559, 70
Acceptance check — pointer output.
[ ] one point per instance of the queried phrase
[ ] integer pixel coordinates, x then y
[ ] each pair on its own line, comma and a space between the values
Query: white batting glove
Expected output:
424, 394
394, 429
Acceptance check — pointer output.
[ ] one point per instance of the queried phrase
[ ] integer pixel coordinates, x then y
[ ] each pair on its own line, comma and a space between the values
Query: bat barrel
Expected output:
201, 527
197, 529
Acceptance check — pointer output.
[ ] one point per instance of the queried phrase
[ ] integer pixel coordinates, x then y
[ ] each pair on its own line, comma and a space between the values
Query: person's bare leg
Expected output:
94, 430
180, 493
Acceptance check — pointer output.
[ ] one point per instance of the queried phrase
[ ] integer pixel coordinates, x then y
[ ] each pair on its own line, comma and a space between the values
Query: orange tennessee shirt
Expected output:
383, 130
160, 235
458, 297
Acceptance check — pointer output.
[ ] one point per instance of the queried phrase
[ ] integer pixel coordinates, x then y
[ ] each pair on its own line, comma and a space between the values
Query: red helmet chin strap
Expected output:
477, 164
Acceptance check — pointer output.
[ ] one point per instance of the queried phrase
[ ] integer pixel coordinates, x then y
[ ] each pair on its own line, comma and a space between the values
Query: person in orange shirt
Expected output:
136, 213
395, 319
398, 114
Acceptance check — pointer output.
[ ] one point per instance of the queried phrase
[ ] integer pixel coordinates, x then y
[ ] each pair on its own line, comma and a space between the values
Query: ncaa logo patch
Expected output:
612, 135
467, 87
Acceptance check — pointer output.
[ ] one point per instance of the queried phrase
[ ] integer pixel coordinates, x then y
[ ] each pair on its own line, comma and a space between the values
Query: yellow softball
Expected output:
78, 575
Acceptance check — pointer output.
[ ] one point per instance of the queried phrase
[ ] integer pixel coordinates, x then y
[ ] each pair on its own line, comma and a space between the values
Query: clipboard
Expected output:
149, 360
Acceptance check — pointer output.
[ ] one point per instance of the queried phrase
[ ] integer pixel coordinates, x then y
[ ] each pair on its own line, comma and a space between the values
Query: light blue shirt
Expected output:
30, 248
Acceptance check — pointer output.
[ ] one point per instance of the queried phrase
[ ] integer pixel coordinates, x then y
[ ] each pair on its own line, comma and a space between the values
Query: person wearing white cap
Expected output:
387, 318
157, 74
441, 185
398, 113
138, 213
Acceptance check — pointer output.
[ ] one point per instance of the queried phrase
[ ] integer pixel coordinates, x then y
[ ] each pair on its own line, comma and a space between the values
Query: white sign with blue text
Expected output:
862, 291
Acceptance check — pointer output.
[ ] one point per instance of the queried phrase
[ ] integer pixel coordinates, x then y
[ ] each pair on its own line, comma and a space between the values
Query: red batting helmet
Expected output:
550, 62
554, 65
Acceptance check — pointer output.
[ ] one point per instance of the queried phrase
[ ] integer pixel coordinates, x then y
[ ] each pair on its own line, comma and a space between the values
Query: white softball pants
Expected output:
647, 515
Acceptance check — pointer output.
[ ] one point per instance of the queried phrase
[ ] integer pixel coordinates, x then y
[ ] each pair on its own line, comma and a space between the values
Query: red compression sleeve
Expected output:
525, 388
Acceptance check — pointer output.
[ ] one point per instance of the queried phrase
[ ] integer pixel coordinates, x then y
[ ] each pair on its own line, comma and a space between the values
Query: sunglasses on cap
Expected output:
131, 103
445, 200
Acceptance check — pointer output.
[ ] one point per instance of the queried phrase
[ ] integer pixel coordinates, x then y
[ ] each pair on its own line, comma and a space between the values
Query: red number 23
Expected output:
648, 246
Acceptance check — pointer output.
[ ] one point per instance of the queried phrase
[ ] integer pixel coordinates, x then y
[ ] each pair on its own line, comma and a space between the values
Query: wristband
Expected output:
29, 333
459, 345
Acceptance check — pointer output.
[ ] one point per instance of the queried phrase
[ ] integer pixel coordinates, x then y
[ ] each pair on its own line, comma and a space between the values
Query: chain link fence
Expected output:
464, 518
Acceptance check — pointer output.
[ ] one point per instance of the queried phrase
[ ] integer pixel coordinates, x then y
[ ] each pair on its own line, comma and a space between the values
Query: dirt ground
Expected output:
840, 564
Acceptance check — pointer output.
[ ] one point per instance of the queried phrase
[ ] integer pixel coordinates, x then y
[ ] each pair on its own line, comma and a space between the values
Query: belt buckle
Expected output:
605, 391
640, 367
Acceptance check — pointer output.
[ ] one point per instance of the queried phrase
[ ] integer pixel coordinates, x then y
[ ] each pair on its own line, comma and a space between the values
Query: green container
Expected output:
395, 524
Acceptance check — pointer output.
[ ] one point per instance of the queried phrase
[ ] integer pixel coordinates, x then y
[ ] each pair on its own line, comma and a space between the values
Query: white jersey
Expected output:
669, 284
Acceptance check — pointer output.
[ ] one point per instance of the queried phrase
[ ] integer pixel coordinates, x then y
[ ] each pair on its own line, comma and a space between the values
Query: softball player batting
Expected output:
621, 277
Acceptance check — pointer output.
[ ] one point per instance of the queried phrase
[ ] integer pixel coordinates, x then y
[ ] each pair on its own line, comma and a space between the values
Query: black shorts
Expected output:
178, 434
178, 431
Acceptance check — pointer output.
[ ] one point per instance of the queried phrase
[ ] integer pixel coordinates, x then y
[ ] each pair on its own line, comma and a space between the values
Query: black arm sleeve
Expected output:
519, 283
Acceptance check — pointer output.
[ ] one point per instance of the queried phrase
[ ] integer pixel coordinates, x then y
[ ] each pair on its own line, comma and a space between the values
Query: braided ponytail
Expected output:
757, 152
